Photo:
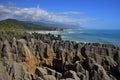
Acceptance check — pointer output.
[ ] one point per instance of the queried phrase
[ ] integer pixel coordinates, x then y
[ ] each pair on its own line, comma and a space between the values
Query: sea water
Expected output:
92, 36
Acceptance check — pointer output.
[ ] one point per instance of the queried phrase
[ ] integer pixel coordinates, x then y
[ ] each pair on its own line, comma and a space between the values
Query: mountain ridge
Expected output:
22, 25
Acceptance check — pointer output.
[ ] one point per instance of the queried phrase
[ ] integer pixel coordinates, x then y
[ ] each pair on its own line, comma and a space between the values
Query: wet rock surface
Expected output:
47, 57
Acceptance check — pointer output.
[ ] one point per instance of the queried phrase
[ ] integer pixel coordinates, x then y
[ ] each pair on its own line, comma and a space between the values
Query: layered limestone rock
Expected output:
46, 57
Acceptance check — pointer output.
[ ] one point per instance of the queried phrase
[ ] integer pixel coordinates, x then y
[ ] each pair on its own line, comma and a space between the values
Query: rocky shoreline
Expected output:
47, 57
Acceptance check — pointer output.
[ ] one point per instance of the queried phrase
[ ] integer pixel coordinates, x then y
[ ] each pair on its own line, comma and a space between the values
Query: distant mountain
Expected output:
55, 24
13, 24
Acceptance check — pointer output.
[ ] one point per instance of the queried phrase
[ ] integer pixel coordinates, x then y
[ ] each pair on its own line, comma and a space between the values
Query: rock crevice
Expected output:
47, 57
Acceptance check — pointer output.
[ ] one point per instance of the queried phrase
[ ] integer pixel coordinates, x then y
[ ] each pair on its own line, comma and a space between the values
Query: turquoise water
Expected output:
93, 36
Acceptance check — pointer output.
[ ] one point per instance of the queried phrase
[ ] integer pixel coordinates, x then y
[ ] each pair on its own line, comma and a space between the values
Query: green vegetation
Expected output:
11, 34
15, 25
11, 28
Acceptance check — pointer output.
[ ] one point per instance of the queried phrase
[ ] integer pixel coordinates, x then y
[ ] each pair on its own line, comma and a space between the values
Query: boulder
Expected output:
6, 50
49, 77
3, 74
44, 72
18, 72
40, 72
98, 73
70, 74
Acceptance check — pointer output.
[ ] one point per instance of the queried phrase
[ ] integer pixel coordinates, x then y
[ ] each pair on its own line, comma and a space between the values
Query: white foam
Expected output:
81, 32
70, 32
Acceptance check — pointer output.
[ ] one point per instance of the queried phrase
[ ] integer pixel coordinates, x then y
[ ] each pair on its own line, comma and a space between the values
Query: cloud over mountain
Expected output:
39, 15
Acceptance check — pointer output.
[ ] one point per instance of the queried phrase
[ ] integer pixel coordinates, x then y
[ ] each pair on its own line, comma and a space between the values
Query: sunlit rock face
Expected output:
47, 57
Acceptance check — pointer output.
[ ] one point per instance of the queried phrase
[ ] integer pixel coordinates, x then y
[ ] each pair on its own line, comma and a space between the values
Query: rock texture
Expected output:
47, 57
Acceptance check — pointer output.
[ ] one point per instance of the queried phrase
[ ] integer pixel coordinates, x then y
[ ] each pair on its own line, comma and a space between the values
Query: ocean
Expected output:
89, 36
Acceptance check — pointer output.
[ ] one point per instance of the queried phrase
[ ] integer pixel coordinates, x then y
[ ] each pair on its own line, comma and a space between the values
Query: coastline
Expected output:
45, 56
88, 36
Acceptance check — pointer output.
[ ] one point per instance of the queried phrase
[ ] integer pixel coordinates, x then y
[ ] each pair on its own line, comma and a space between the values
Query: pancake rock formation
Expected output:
47, 57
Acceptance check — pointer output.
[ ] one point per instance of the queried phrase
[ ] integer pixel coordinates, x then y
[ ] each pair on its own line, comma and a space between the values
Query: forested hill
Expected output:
12, 24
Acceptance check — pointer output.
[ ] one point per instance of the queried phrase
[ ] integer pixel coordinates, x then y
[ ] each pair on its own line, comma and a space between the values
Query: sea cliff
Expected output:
25, 56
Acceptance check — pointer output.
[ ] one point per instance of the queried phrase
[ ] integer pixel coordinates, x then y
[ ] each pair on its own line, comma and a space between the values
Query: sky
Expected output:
91, 14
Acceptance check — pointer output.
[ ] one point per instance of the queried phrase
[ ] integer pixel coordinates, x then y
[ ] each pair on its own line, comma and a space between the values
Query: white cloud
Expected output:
70, 12
37, 14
